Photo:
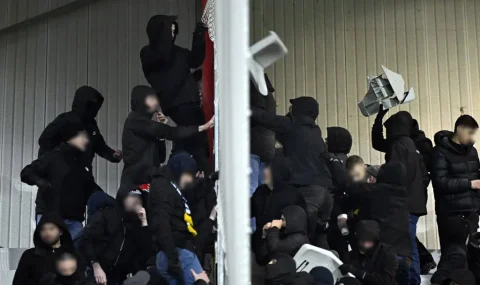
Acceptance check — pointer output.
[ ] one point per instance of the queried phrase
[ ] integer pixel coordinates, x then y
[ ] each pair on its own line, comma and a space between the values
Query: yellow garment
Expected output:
356, 212
188, 219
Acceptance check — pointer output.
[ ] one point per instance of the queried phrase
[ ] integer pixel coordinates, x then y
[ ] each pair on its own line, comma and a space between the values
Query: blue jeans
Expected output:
75, 228
403, 270
256, 177
415, 278
188, 260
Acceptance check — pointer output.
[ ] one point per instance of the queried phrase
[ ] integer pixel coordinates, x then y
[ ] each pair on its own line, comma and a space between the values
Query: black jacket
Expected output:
401, 148
262, 140
71, 180
86, 104
166, 216
288, 240
166, 66
453, 168
143, 139
376, 267
424, 144
302, 141
385, 202
117, 240
78, 278
40, 260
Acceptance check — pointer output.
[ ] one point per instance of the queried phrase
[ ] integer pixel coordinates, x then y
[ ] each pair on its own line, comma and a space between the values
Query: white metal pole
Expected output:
232, 43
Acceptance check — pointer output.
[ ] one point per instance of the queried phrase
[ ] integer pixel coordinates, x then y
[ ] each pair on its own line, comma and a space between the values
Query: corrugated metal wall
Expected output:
334, 44
40, 69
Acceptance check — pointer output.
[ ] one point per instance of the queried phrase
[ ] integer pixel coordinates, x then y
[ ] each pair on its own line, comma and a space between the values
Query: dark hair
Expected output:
352, 161
466, 121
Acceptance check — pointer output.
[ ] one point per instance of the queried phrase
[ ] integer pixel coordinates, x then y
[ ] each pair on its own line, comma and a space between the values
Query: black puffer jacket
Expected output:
86, 104
288, 240
143, 139
262, 140
401, 148
166, 66
302, 141
453, 168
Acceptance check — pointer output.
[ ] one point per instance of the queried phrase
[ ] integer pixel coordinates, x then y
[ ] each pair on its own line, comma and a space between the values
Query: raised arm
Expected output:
148, 128
278, 124
378, 141
197, 54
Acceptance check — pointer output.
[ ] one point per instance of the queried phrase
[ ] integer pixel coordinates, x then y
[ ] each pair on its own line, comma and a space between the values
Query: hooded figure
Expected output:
40, 260
339, 142
86, 104
64, 178
287, 238
64, 264
322, 276
303, 145
373, 265
143, 139
166, 67
280, 270
116, 239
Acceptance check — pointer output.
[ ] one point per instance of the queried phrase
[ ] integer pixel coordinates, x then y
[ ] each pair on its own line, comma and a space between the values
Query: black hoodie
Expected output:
453, 168
385, 202
287, 240
71, 179
86, 104
339, 140
302, 141
143, 139
166, 66
378, 265
38, 261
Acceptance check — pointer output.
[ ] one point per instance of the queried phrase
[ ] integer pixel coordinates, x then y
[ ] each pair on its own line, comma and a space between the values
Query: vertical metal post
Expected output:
232, 44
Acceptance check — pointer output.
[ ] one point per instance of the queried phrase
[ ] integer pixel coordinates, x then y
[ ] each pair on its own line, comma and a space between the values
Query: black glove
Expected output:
214, 176
348, 268
381, 113
200, 28
42, 183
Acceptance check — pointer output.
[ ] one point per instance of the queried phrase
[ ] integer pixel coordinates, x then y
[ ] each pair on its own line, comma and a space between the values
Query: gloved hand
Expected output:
348, 268
381, 113
214, 176
43, 183
200, 28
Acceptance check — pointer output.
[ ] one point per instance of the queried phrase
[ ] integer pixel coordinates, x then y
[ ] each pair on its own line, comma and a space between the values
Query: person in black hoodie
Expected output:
386, 202
64, 179
171, 221
142, 137
286, 235
51, 238
280, 270
166, 67
116, 241
400, 147
373, 263
67, 272
86, 104
455, 179
303, 145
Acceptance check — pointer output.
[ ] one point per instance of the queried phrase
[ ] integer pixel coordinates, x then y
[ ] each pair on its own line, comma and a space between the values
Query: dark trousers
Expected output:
455, 228
425, 256
319, 205
403, 271
191, 114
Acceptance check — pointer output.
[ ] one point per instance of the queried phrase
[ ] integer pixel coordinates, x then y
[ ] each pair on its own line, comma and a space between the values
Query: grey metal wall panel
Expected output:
334, 44
42, 66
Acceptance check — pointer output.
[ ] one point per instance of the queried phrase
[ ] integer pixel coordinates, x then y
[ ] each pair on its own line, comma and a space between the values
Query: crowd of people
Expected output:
161, 226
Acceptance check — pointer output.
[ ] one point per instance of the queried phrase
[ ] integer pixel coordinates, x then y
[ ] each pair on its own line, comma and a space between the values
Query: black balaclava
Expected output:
87, 102
339, 140
139, 93
367, 230
399, 124
305, 106
280, 270
159, 32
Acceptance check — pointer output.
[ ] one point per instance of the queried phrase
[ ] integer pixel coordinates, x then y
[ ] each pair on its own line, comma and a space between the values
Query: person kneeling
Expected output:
373, 263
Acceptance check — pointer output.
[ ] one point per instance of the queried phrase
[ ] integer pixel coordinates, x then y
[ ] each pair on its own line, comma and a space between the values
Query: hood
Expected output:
303, 278
339, 140
281, 172
462, 277
87, 102
322, 276
444, 139
348, 281
304, 106
180, 163
399, 124
423, 144
139, 93
393, 173
296, 219
65, 238
367, 230
159, 31
280, 269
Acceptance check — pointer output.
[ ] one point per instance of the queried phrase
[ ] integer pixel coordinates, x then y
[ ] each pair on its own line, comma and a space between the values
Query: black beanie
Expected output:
70, 131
